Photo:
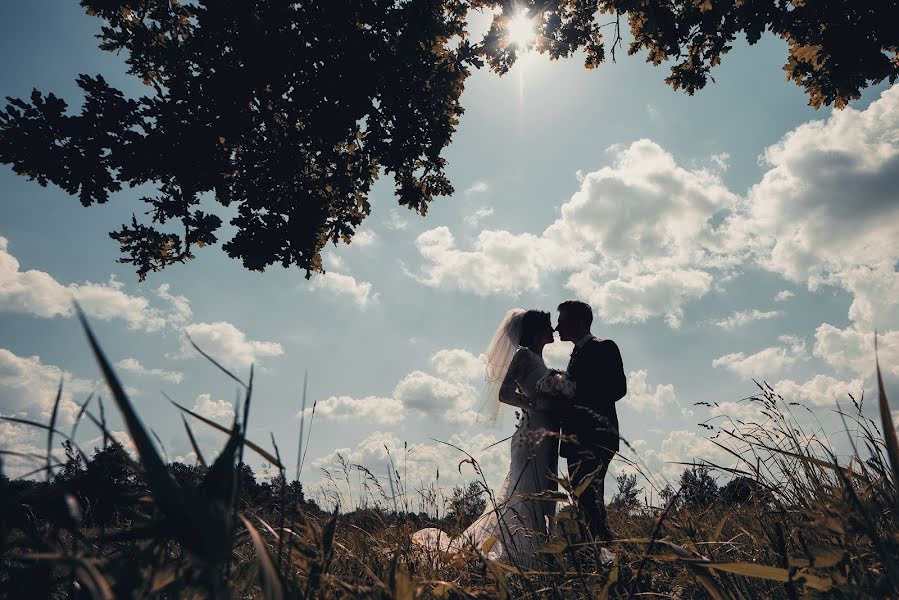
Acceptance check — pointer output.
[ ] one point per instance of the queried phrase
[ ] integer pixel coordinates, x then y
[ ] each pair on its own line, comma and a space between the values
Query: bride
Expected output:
511, 526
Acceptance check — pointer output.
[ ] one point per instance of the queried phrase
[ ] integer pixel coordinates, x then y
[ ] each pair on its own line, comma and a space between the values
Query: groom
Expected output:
590, 423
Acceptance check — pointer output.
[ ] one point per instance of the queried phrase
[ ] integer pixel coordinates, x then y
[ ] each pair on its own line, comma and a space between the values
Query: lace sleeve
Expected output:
509, 392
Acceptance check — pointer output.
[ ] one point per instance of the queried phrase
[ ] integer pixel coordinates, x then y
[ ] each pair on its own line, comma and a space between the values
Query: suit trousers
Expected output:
592, 500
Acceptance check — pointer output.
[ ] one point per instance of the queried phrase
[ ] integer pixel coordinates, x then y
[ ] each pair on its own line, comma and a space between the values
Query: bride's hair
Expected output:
517, 327
531, 323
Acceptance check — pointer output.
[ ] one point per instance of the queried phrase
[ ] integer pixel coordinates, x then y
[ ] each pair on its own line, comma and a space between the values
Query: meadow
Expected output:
792, 520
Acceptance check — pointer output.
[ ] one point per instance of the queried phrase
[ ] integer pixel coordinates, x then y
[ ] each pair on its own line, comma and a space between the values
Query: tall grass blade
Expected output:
254, 447
80, 414
772, 573
268, 575
166, 490
215, 362
50, 429
31, 423
302, 426
889, 428
193, 442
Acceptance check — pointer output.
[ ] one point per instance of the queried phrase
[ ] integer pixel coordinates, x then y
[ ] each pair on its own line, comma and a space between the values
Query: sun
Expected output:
520, 30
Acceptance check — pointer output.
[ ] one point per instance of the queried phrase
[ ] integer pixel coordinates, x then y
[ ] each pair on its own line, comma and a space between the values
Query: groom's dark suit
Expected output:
591, 423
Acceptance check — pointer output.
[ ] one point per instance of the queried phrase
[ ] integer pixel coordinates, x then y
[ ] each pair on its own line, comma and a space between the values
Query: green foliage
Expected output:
627, 496
289, 111
465, 504
698, 488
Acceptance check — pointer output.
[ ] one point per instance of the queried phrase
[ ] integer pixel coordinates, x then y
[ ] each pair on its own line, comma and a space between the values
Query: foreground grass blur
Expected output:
794, 521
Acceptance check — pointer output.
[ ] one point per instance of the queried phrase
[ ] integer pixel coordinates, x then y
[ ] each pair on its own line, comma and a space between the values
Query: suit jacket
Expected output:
598, 373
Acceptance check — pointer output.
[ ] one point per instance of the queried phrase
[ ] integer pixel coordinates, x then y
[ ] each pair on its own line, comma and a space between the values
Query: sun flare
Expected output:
520, 30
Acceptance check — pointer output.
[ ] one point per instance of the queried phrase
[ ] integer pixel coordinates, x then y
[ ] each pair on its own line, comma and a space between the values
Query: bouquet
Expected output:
556, 383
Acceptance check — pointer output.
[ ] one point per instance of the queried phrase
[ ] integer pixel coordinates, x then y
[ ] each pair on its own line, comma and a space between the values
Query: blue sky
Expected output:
737, 233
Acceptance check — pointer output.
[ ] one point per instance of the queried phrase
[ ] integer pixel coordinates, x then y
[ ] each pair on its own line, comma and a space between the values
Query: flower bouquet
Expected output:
556, 383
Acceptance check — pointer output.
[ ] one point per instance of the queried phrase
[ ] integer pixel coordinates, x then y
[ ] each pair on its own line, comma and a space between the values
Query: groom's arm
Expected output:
603, 382
613, 379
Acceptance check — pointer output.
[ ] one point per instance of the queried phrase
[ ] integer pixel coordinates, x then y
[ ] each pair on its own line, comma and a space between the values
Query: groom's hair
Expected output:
530, 325
579, 310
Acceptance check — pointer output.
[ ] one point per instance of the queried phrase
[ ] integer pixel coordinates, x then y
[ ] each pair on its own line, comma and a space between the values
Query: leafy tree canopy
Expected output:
291, 110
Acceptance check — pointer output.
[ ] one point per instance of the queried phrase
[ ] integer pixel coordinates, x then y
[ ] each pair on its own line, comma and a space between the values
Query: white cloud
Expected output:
501, 262
396, 221
766, 362
371, 409
479, 215
740, 318
452, 400
360, 292
645, 212
853, 349
364, 239
478, 187
721, 160
826, 213
132, 365
218, 410
783, 296
450, 396
821, 390
456, 364
28, 388
643, 398
38, 293
644, 226
226, 343
557, 354
640, 297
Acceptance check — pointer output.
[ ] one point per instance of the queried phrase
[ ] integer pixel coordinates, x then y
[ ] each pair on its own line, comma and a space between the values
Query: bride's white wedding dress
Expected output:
514, 522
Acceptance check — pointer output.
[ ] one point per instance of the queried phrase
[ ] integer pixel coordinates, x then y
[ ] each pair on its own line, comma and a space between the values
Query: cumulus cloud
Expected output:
557, 354
371, 409
853, 349
640, 239
225, 342
452, 400
645, 215
360, 292
798, 218
450, 395
820, 390
645, 399
638, 298
740, 318
220, 411
365, 238
28, 389
132, 365
456, 364
501, 262
766, 362
38, 293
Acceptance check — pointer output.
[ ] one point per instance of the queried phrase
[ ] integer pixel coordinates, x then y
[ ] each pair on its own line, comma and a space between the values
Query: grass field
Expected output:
794, 522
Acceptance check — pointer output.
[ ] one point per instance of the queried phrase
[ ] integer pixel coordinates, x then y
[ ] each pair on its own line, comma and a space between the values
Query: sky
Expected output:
737, 234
